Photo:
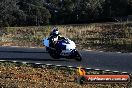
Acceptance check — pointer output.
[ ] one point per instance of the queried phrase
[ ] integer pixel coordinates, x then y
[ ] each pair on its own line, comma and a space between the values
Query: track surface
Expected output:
91, 59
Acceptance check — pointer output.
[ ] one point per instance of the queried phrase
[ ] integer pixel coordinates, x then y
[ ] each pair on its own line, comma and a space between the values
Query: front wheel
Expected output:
77, 56
78, 59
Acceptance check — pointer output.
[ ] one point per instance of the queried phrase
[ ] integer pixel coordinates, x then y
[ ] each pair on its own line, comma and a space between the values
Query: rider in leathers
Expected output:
54, 37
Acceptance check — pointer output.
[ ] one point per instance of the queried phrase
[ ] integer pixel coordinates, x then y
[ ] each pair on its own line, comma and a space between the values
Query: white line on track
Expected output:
107, 70
24, 62
58, 65
115, 71
124, 72
88, 68
70, 66
37, 63
14, 61
2, 60
97, 69
48, 64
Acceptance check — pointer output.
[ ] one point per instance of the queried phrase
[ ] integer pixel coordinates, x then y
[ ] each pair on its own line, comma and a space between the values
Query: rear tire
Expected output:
47, 48
54, 54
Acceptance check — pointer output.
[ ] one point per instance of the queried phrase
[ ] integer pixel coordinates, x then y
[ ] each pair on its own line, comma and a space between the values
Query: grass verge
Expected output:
16, 75
105, 36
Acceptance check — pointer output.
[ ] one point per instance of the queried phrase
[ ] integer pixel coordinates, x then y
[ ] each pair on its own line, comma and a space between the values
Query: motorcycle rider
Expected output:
54, 37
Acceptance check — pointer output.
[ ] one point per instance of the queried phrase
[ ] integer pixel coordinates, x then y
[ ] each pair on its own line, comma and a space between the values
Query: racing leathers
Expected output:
53, 40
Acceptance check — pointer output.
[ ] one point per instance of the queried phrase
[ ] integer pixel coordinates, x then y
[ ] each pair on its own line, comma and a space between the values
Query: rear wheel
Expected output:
47, 48
54, 54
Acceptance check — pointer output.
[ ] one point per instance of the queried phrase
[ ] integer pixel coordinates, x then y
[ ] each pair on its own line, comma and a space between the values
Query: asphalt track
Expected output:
91, 59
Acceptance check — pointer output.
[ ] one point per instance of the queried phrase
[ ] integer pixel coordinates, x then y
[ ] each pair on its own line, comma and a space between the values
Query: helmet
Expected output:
55, 32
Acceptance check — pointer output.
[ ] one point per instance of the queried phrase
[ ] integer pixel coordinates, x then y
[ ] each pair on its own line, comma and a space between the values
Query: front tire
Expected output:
78, 59
77, 56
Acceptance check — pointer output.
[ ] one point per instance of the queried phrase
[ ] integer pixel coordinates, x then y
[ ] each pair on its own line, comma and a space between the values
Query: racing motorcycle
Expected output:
65, 48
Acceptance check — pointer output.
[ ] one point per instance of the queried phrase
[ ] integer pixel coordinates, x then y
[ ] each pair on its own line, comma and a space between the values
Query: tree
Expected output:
9, 12
89, 9
36, 13
129, 7
62, 11
41, 12
115, 8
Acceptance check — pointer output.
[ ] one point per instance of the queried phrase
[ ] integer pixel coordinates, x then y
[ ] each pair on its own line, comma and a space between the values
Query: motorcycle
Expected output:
65, 48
